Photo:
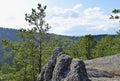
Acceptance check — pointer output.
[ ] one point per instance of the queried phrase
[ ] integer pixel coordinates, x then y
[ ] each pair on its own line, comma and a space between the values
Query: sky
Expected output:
66, 17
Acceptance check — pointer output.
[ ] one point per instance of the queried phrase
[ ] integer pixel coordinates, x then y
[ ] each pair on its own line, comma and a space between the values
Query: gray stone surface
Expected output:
94, 72
104, 68
108, 66
108, 63
61, 67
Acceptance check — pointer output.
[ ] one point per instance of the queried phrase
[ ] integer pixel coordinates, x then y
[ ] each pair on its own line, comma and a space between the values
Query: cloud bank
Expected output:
76, 21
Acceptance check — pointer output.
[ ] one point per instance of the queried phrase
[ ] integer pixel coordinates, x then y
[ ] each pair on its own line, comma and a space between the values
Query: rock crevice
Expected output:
62, 67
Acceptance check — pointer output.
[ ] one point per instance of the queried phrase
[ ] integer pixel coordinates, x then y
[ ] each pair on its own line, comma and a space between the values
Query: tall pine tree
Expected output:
40, 28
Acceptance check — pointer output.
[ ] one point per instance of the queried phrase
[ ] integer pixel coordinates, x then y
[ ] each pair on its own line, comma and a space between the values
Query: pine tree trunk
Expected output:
40, 56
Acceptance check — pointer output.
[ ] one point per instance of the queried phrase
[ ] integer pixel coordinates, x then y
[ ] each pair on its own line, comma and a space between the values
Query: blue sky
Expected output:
67, 17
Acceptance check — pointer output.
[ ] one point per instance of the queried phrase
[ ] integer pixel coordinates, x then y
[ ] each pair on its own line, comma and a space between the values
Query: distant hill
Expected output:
11, 34
99, 37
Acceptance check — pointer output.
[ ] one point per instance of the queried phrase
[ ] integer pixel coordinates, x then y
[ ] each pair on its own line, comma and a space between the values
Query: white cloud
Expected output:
92, 19
93, 12
98, 19
78, 6
62, 20
12, 12
65, 12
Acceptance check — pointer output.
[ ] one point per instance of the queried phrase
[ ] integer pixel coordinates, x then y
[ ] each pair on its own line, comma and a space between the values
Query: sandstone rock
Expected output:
62, 67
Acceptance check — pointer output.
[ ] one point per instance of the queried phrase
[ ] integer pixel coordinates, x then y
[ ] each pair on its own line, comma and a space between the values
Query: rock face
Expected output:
104, 68
63, 68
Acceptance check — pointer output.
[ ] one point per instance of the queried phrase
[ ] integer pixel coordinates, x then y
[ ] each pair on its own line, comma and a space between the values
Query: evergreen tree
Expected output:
5, 68
40, 28
86, 46
104, 47
115, 15
116, 45
72, 49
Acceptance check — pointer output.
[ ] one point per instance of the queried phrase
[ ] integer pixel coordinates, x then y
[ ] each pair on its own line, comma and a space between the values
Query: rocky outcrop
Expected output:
104, 68
94, 72
108, 66
62, 67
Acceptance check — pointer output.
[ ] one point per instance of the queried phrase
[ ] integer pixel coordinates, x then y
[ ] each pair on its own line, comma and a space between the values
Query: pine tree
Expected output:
104, 47
40, 28
86, 46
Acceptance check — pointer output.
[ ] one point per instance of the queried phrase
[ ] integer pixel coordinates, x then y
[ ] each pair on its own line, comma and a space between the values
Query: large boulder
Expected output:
62, 67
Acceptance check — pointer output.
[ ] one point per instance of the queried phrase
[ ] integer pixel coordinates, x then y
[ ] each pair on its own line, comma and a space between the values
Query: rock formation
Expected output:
62, 67
104, 68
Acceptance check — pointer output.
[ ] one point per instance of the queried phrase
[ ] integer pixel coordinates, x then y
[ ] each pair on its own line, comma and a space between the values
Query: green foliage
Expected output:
116, 14
9, 34
39, 29
27, 69
5, 68
82, 49
116, 45
86, 46
24, 57
72, 49
28, 53
104, 47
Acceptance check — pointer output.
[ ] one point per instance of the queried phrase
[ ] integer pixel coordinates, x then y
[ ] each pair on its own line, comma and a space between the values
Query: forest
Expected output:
24, 52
